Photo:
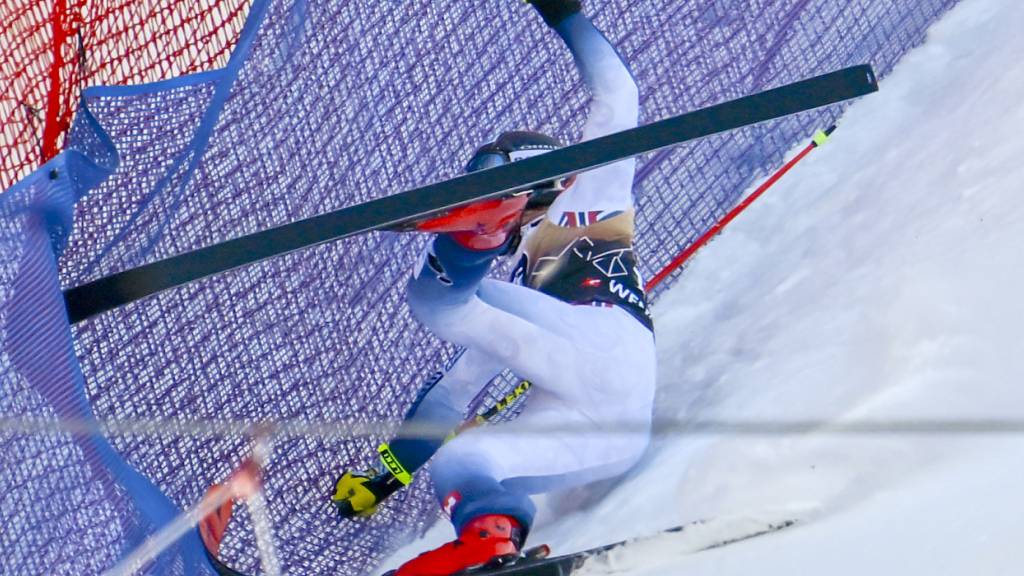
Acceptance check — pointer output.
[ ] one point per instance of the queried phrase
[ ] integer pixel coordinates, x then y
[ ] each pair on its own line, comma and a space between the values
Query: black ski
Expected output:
564, 565
537, 562
393, 211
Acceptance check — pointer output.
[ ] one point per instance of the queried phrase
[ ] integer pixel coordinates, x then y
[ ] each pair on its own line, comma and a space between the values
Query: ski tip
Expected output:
537, 552
868, 74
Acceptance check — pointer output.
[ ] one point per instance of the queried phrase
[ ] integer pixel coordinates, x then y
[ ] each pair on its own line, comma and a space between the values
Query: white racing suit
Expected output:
573, 322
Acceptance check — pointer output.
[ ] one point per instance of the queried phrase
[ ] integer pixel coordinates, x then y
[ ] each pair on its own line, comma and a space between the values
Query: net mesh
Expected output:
51, 50
323, 105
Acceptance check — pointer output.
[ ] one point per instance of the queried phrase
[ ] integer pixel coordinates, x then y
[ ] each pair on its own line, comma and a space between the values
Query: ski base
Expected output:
397, 211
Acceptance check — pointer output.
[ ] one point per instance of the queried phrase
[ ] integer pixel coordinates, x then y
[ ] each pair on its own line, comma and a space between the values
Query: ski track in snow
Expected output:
880, 280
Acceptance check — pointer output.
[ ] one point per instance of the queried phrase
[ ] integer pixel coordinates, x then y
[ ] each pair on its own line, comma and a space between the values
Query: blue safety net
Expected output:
324, 105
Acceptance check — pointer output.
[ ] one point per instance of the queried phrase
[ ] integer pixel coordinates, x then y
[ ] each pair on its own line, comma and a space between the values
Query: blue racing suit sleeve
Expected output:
440, 407
614, 106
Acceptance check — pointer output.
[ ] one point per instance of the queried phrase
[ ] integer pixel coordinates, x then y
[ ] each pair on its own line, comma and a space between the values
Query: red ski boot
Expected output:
484, 225
483, 539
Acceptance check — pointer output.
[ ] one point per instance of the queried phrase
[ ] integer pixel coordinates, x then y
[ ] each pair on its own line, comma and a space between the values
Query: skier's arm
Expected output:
437, 411
614, 106
440, 406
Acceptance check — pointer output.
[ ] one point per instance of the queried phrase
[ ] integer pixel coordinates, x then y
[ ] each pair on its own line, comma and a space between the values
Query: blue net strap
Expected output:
83, 492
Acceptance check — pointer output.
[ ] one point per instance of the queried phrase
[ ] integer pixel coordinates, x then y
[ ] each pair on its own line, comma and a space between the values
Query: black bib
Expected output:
592, 265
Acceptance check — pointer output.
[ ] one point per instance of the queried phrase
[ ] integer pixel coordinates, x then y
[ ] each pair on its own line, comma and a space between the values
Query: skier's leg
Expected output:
566, 436
447, 274
531, 333
536, 307
551, 446
492, 471
443, 296
578, 426
467, 486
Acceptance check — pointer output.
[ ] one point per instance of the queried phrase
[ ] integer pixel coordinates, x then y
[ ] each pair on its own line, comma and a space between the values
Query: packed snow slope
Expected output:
877, 292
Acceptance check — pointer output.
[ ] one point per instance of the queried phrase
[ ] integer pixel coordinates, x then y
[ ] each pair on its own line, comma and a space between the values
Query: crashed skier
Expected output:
573, 322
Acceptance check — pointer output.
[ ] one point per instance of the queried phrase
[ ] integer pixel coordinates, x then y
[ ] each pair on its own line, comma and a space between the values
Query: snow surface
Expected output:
878, 285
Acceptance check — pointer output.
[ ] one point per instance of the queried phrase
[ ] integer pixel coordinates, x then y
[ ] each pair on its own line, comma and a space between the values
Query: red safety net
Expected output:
50, 50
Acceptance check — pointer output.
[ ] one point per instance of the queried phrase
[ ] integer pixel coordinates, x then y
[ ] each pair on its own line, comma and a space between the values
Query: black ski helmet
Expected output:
517, 145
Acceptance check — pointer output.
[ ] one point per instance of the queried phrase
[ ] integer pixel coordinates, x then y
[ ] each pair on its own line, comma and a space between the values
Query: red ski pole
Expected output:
819, 138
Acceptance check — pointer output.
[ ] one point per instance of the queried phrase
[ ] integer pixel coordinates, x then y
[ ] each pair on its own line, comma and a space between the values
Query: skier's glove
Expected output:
554, 11
359, 493
354, 494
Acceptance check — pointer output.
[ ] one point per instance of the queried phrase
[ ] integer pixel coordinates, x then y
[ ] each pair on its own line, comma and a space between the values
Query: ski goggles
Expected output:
487, 159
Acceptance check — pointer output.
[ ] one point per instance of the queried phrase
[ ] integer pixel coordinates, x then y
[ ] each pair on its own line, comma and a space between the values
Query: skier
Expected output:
573, 322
